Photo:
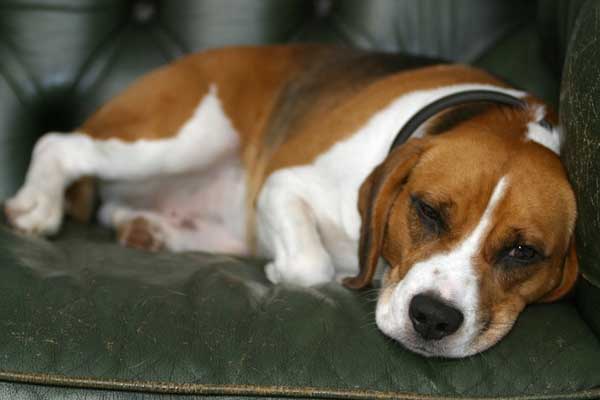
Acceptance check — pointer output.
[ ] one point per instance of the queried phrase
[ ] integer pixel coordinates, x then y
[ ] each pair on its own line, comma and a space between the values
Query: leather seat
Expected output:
82, 317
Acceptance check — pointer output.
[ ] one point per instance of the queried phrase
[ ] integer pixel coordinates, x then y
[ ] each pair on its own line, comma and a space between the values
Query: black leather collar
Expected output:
456, 99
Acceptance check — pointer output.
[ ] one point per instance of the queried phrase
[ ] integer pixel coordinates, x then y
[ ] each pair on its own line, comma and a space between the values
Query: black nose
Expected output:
432, 318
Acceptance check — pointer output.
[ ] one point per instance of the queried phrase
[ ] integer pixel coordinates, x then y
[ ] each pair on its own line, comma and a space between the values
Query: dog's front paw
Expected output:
304, 271
35, 211
272, 273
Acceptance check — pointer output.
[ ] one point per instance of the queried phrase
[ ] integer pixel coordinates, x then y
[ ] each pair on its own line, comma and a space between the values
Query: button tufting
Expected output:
143, 11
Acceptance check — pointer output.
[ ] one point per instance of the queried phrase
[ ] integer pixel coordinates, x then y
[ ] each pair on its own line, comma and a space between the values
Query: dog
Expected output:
330, 161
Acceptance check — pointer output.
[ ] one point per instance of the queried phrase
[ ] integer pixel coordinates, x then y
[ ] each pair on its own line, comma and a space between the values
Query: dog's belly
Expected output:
206, 206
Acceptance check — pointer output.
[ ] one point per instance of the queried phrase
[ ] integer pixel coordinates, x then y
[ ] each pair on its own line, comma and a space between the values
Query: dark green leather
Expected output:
82, 307
580, 113
531, 73
85, 318
428, 27
556, 19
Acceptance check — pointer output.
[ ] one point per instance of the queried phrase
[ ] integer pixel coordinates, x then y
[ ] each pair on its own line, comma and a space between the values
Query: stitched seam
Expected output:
17, 91
13, 83
88, 63
354, 37
249, 390
163, 35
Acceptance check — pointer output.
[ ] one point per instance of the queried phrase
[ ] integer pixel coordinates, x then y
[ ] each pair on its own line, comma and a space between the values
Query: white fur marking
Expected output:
205, 137
452, 277
549, 138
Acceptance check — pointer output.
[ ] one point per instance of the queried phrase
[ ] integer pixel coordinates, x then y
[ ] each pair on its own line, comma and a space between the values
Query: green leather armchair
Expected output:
81, 317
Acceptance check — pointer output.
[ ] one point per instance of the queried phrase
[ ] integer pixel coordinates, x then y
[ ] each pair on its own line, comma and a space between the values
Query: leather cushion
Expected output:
82, 306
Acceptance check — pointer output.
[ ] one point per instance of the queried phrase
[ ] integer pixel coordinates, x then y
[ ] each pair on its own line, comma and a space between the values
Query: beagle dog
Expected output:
330, 161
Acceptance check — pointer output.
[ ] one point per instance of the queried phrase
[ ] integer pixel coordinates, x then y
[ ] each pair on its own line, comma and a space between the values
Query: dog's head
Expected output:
474, 224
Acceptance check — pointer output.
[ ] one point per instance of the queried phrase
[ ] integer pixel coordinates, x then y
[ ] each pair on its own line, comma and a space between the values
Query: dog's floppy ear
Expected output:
569, 275
376, 196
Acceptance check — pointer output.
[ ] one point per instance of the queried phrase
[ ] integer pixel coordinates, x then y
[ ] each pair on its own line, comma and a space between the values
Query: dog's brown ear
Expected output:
569, 275
376, 196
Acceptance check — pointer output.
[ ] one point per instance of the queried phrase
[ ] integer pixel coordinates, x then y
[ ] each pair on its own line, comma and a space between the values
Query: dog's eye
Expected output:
428, 215
544, 123
521, 254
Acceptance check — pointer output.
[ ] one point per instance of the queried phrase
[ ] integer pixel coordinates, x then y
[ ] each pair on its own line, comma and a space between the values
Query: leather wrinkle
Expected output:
19, 91
350, 35
163, 31
15, 88
93, 58
110, 40
106, 46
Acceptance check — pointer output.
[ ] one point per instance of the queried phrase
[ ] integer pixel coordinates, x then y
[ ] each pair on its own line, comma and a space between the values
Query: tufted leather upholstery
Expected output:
82, 317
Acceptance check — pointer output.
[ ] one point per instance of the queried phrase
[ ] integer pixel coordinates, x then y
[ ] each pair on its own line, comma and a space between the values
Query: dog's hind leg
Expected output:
152, 231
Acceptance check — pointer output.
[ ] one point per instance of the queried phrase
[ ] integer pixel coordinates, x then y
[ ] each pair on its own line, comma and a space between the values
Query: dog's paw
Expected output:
303, 271
272, 273
141, 233
35, 211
